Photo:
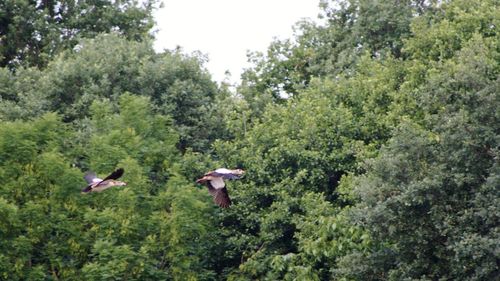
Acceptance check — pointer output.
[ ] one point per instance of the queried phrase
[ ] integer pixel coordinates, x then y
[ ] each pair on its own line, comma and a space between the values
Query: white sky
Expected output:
226, 29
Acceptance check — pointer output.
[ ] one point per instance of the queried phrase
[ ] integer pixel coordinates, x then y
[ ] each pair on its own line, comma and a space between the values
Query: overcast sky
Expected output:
226, 29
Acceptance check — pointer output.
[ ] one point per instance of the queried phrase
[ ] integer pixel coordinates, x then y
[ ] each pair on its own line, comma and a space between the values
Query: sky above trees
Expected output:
227, 29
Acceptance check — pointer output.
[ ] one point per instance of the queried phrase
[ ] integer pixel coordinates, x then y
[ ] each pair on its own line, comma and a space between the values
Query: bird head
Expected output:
238, 172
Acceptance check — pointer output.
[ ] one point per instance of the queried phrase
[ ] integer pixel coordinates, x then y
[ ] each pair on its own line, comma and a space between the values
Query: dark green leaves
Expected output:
33, 32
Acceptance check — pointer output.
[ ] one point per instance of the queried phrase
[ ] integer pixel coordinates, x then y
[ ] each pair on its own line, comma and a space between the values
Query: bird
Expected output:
214, 180
96, 184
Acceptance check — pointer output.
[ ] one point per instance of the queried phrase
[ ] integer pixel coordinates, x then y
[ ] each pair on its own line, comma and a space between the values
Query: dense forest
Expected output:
370, 144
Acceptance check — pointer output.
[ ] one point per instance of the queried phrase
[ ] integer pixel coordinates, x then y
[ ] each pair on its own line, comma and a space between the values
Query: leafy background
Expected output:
371, 145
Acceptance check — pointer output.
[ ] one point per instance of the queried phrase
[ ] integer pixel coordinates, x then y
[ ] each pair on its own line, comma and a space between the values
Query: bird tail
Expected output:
201, 180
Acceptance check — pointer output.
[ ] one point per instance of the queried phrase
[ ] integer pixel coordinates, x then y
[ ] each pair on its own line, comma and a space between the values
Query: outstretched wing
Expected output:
90, 177
115, 175
224, 173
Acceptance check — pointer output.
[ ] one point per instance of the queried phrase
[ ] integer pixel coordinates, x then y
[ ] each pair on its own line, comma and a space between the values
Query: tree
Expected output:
107, 66
352, 29
293, 216
298, 149
38, 181
143, 231
33, 32
429, 201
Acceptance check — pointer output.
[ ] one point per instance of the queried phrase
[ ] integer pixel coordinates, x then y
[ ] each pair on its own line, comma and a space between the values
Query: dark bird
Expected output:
96, 184
214, 180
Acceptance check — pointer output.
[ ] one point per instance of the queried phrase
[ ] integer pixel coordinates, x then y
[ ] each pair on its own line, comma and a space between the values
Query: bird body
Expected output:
96, 184
214, 180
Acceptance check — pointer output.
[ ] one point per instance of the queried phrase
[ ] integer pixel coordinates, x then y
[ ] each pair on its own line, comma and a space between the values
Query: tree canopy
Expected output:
33, 32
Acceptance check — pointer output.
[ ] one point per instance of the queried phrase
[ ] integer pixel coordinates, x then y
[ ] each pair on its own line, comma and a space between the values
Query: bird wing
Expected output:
90, 177
221, 197
211, 189
94, 181
115, 175
217, 182
224, 173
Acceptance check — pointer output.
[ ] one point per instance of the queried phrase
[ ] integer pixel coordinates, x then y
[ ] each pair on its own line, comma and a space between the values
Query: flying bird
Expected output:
96, 184
214, 181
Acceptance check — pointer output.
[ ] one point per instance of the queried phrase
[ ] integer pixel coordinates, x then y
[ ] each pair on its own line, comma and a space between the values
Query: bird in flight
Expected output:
96, 184
214, 180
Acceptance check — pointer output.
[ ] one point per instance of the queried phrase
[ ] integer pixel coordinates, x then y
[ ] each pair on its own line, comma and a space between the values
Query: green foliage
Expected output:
322, 132
423, 193
35, 176
51, 231
181, 88
190, 241
324, 234
370, 143
304, 145
303, 148
33, 32
439, 35
352, 29
135, 138
105, 68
